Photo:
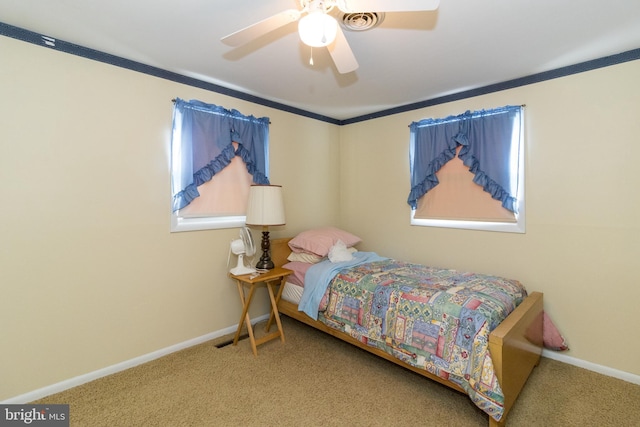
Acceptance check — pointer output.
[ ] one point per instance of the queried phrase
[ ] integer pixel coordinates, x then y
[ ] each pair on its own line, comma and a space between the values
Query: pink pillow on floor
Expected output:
552, 338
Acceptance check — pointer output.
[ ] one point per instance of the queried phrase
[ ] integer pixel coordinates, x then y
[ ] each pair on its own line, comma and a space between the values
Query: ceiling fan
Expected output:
319, 29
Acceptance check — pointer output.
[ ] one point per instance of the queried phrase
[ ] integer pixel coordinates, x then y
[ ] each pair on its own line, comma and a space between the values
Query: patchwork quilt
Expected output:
434, 319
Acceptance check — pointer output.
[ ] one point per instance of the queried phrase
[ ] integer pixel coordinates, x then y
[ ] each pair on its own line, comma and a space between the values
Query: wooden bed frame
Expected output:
515, 345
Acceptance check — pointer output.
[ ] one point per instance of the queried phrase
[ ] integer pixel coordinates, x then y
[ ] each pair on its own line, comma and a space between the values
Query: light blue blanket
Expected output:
319, 275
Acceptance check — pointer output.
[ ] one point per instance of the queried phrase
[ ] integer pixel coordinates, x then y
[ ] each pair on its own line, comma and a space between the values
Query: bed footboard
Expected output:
516, 345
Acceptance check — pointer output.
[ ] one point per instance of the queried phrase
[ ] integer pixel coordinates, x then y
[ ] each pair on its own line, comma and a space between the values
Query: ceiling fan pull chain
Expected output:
324, 33
311, 56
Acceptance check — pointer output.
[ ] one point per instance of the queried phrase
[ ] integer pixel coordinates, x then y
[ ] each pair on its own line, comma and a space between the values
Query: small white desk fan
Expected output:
241, 247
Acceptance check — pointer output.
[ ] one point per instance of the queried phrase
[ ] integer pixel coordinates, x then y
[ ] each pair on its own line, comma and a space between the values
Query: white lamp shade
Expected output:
317, 29
265, 205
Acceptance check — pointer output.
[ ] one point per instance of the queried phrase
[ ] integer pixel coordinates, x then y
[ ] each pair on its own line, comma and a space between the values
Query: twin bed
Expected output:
480, 335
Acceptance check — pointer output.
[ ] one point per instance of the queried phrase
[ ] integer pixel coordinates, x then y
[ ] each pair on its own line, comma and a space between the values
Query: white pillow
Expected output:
304, 257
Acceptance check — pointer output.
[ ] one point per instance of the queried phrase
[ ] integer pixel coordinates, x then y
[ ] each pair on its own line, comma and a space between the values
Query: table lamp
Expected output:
264, 208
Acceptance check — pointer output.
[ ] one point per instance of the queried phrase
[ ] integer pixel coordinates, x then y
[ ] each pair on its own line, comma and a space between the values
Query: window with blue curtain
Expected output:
489, 145
205, 140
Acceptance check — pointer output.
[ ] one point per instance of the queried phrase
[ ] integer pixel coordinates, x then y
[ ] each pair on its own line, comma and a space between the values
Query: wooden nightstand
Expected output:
271, 277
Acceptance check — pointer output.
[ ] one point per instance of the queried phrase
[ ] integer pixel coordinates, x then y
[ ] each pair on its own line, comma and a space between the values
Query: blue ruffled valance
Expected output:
202, 145
488, 150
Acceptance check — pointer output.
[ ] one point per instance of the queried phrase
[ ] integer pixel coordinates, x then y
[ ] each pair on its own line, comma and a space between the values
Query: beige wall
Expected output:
90, 275
582, 205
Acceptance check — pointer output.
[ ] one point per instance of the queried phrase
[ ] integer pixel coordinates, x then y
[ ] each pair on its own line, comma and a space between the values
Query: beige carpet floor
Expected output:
316, 380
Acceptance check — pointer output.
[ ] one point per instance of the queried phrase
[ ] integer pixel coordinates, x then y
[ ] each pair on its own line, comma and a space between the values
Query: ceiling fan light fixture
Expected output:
317, 29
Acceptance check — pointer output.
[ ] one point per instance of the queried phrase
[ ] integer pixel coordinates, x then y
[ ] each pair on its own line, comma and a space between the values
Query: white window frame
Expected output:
179, 223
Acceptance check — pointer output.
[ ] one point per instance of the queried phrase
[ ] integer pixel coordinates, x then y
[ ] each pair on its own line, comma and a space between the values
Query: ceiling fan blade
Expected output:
342, 54
353, 6
261, 28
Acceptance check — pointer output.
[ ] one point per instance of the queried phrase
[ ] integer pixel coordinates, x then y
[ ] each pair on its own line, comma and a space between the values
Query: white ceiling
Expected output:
410, 57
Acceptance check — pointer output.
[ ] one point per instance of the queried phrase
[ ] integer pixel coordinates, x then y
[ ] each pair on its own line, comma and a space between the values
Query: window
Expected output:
216, 154
467, 171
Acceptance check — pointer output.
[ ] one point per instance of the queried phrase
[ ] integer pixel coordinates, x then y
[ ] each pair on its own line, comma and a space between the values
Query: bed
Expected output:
512, 347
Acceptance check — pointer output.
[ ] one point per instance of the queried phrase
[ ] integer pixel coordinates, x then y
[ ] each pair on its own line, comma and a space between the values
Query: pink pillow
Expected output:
319, 240
552, 338
299, 270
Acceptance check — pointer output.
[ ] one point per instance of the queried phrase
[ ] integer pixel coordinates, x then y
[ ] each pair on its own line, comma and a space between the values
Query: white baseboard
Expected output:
82, 379
109, 370
604, 370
